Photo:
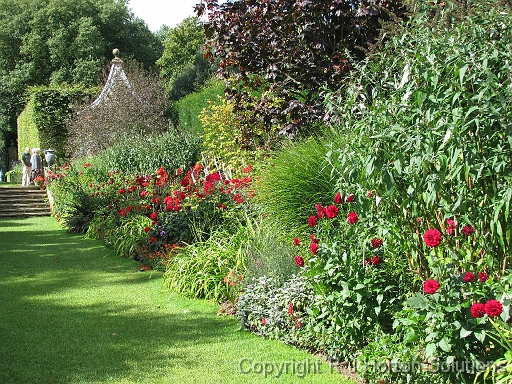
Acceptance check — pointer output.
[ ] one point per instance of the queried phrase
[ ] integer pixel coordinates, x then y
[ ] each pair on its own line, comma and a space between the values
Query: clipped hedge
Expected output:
43, 121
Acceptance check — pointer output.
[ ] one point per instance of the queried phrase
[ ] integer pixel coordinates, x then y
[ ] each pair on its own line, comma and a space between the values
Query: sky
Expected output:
156, 13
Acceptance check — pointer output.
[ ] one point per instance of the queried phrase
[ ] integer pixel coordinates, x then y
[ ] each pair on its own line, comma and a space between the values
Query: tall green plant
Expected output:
428, 125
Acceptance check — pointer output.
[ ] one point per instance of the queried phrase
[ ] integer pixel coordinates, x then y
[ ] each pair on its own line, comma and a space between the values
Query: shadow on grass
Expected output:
71, 314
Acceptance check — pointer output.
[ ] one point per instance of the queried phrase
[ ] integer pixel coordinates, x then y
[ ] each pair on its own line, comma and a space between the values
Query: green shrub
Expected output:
143, 155
15, 174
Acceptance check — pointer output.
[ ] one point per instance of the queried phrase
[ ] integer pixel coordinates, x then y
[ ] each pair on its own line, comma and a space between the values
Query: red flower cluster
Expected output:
430, 286
299, 261
376, 243
483, 277
313, 248
432, 238
352, 218
492, 308
312, 221
467, 230
331, 211
469, 277
375, 260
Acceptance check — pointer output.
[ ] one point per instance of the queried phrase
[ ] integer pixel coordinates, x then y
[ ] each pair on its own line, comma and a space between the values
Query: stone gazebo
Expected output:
116, 77
99, 122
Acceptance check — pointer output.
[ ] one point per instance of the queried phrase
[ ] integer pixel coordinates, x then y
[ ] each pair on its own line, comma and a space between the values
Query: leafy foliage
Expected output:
291, 48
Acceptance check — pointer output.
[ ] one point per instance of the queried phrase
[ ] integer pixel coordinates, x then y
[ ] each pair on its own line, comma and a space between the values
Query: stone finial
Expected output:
115, 51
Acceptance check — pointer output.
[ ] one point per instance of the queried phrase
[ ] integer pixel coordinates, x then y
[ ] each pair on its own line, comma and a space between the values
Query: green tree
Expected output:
182, 64
63, 41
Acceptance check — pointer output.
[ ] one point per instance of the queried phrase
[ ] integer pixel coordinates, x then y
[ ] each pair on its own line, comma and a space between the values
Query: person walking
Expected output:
27, 167
37, 163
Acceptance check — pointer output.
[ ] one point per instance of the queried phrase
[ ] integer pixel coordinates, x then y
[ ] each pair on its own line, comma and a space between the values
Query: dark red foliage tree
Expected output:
291, 48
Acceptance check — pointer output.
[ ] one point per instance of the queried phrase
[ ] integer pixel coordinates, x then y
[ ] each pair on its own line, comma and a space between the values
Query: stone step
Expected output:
18, 201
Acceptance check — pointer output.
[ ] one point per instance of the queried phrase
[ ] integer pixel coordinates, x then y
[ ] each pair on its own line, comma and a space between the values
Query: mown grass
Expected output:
71, 312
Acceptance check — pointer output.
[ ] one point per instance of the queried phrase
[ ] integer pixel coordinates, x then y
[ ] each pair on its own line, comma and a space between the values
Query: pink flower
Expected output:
299, 261
337, 198
263, 321
451, 227
432, 238
351, 199
468, 230
296, 241
352, 218
469, 277
314, 248
331, 211
477, 310
430, 286
483, 277
493, 308
312, 221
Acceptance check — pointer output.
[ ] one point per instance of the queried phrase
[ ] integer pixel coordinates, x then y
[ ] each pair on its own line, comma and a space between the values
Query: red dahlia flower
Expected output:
352, 218
376, 243
299, 261
351, 199
312, 221
296, 241
477, 310
483, 277
314, 239
468, 230
263, 321
314, 248
469, 277
337, 198
432, 238
331, 211
376, 260
493, 308
430, 286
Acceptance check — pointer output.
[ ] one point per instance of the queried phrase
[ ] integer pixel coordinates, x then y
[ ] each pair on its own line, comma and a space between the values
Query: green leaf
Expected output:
418, 302
430, 350
445, 344
480, 335
465, 332
462, 71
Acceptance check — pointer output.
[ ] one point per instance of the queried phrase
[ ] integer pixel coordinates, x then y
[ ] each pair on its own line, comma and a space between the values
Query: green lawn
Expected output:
70, 312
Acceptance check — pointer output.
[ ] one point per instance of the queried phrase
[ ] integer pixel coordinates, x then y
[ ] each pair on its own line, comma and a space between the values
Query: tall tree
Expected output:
57, 41
182, 64
290, 49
